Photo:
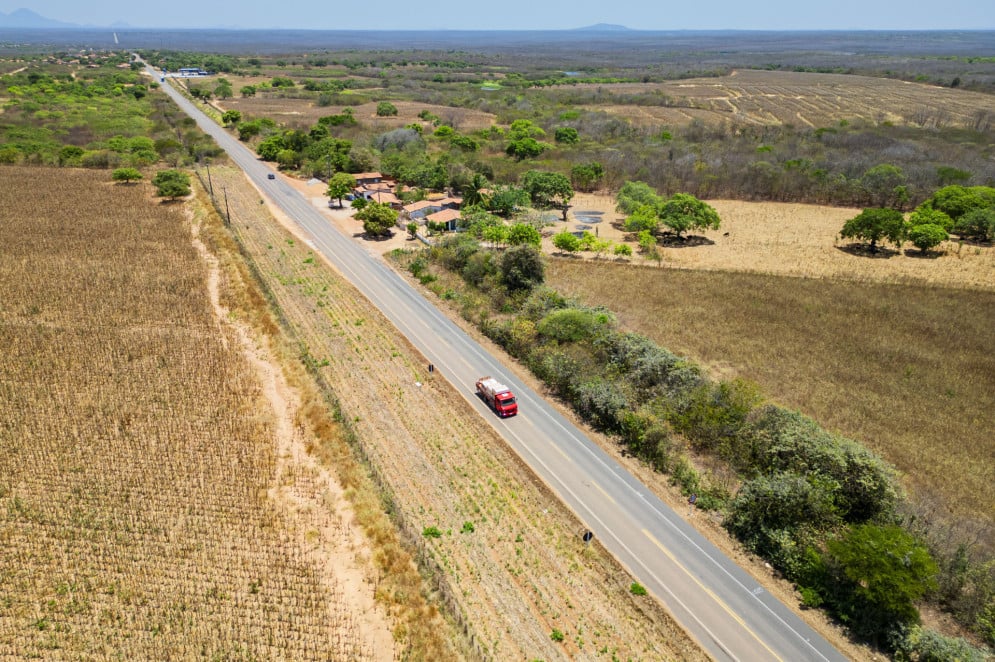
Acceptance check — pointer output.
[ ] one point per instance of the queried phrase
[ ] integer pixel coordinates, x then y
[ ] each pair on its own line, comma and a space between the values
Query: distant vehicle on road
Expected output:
498, 396
271, 176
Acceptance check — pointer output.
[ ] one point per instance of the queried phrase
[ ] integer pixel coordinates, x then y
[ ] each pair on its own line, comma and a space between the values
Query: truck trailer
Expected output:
498, 396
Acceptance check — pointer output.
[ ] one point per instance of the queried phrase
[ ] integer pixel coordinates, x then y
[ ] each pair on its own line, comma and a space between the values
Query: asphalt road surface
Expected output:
714, 599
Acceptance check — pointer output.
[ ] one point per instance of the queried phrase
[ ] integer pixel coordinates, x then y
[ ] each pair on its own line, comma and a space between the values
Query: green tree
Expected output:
377, 219
521, 234
926, 215
411, 227
926, 236
507, 200
340, 185
386, 109
885, 186
548, 189
977, 224
126, 175
875, 576
587, 176
223, 89
566, 135
623, 250
231, 117
525, 148
955, 201
633, 195
874, 224
566, 241
475, 192
683, 212
171, 184
522, 267
497, 234
643, 218
247, 91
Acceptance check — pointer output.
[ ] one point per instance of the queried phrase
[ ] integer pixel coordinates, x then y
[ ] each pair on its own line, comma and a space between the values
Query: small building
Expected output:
447, 217
421, 209
366, 178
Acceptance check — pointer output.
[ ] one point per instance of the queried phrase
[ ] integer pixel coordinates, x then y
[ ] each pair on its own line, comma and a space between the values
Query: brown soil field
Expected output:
519, 570
801, 99
305, 113
156, 499
789, 239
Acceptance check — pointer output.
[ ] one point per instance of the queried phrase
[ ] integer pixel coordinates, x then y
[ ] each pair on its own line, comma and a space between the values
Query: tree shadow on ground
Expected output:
864, 250
918, 254
669, 240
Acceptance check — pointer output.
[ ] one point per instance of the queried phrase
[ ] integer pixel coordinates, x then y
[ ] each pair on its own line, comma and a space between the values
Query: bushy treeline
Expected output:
821, 508
100, 118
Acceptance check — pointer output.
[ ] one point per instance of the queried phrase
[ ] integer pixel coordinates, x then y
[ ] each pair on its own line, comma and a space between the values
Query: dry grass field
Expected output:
304, 113
153, 504
801, 99
893, 351
511, 563
790, 239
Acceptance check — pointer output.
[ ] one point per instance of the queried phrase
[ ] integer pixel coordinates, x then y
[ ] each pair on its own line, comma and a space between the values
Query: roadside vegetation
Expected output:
806, 499
517, 142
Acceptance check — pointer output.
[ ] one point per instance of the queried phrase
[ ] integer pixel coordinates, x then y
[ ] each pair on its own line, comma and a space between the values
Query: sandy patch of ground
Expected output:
790, 239
307, 492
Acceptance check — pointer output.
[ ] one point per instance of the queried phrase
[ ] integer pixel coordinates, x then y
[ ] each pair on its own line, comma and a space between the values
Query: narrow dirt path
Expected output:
307, 493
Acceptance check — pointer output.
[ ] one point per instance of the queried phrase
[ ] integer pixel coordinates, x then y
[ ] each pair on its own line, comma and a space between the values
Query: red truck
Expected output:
498, 396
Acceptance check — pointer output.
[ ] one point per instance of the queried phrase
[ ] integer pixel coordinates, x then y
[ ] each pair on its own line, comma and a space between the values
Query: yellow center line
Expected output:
710, 593
602, 490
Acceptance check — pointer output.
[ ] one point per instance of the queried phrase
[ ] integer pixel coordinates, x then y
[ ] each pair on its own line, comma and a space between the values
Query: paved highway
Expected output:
716, 601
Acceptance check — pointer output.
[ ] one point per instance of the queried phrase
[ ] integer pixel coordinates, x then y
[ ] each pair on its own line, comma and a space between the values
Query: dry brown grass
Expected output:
136, 451
801, 99
906, 369
523, 570
305, 113
797, 240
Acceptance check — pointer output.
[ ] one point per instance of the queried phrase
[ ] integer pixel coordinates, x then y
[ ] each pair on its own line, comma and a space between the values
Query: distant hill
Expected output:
25, 18
604, 27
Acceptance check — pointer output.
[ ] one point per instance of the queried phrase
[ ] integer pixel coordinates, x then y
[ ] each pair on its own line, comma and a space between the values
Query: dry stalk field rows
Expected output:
145, 510
512, 566
801, 99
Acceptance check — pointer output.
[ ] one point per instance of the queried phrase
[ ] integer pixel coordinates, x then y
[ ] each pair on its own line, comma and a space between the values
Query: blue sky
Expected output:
522, 14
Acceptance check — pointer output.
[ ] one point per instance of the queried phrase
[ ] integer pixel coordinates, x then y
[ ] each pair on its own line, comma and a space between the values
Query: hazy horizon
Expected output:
450, 15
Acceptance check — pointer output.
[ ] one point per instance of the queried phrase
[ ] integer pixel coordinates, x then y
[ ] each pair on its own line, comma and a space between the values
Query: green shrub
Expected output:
431, 532
637, 589
556, 635
601, 402
783, 440
716, 413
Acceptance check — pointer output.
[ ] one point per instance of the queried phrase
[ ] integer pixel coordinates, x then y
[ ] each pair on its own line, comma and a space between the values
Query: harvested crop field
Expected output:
800, 99
510, 562
305, 113
155, 502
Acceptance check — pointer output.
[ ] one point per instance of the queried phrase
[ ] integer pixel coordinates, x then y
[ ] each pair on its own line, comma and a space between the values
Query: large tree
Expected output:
633, 195
548, 189
171, 184
874, 224
377, 219
683, 212
339, 186
926, 236
522, 267
126, 175
875, 576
